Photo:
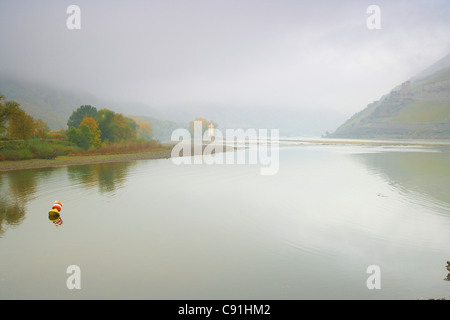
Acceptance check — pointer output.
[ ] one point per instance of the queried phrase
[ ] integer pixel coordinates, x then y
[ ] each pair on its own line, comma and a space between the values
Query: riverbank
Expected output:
163, 153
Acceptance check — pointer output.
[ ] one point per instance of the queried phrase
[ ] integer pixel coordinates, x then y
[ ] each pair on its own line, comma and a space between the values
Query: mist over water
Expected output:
153, 230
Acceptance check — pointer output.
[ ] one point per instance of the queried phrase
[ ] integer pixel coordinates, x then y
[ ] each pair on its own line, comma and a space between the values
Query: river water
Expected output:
151, 229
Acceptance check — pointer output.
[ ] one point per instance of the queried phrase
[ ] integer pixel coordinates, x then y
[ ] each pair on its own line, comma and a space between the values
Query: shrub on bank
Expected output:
42, 150
12, 145
15, 155
35, 148
15, 150
124, 147
63, 150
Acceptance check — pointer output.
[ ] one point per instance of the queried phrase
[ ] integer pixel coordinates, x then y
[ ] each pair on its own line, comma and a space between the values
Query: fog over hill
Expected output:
302, 67
418, 108
55, 105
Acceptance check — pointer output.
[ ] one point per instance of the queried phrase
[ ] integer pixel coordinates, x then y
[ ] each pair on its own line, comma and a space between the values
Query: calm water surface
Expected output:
153, 230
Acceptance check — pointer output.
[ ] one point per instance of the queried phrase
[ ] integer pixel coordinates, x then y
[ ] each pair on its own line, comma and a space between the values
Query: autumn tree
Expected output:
81, 136
106, 126
41, 128
124, 128
21, 125
115, 127
95, 131
105, 119
7, 110
79, 114
144, 131
3, 114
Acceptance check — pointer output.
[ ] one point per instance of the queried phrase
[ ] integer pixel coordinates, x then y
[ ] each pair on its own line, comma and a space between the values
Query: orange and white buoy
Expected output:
57, 205
54, 215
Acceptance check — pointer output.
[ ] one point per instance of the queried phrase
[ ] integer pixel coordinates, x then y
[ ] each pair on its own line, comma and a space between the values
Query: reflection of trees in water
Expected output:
82, 174
10, 213
17, 188
108, 176
22, 184
425, 172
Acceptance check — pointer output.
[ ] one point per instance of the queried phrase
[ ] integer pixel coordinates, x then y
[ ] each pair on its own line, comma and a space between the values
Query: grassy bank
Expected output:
108, 154
39, 153
15, 150
160, 153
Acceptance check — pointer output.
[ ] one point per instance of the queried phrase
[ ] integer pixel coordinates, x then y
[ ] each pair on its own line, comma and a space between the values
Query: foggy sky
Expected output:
225, 53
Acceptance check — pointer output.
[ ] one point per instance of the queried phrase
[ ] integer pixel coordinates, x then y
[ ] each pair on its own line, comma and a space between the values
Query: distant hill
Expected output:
418, 108
47, 103
54, 105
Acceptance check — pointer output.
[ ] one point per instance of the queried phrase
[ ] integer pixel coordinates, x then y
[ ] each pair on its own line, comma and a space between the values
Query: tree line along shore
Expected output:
91, 133
92, 136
